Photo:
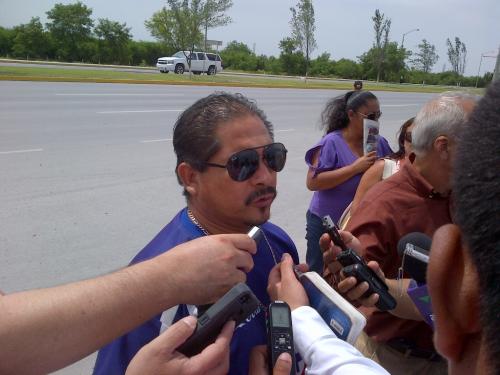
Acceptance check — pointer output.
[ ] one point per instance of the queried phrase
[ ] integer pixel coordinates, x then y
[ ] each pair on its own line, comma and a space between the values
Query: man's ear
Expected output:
189, 177
454, 290
441, 146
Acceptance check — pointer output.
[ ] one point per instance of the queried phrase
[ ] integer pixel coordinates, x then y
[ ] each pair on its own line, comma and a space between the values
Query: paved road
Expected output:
87, 171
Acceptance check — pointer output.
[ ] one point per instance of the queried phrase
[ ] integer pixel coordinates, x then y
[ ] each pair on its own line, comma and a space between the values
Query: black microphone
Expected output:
414, 248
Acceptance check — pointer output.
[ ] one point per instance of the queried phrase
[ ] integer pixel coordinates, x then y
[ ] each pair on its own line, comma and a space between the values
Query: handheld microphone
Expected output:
413, 248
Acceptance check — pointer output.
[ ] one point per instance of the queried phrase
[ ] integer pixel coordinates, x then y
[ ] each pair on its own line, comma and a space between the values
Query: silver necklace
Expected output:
207, 233
270, 247
195, 222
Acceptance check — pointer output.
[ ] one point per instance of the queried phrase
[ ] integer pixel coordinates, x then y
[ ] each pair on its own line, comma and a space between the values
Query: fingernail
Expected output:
190, 321
285, 357
284, 256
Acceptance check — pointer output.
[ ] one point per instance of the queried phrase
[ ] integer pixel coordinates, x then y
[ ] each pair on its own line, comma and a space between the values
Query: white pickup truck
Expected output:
201, 62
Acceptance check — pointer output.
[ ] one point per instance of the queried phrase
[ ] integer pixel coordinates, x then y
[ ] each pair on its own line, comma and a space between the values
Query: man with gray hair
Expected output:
414, 200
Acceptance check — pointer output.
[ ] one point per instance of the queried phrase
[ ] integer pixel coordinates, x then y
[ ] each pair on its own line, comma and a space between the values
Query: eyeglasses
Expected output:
243, 164
371, 116
408, 137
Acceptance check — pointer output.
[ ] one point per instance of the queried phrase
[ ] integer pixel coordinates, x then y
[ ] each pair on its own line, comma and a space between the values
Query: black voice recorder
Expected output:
279, 334
355, 266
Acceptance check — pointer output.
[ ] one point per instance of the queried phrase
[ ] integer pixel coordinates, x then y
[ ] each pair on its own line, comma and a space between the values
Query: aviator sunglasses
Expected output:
243, 164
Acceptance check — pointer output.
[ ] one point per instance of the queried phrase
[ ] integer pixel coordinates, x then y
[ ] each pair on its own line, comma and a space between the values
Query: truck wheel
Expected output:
211, 70
179, 69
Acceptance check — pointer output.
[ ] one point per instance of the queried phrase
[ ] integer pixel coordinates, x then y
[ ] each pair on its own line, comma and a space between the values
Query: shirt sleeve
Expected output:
323, 352
371, 224
327, 156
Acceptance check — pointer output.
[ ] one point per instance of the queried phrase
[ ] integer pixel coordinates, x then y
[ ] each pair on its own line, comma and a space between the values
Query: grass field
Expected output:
67, 74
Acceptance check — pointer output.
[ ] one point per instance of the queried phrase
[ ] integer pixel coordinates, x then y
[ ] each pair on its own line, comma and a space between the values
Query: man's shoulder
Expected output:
275, 231
172, 234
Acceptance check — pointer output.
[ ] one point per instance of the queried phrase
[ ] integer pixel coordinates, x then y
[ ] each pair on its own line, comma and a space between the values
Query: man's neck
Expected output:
430, 169
212, 226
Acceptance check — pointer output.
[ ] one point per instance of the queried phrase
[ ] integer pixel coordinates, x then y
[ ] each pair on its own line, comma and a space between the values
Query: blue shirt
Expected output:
114, 358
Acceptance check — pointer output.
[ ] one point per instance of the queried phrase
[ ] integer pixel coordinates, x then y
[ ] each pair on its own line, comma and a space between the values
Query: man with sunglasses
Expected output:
227, 163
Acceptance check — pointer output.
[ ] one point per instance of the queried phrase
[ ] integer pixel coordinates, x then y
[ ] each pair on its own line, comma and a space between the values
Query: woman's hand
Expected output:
364, 162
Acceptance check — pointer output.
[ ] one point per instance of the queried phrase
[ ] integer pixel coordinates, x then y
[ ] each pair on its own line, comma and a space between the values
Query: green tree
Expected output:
214, 15
6, 40
70, 27
237, 55
113, 41
322, 65
303, 28
457, 54
346, 68
426, 57
30, 40
382, 27
291, 58
146, 53
391, 67
179, 25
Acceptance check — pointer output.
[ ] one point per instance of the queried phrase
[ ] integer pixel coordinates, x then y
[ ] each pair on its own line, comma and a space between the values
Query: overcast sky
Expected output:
343, 27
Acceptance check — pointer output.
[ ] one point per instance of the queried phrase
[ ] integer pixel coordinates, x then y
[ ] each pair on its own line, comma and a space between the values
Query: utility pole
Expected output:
496, 74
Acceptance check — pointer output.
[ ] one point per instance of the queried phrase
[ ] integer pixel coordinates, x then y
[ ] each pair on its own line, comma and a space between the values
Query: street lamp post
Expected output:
403, 40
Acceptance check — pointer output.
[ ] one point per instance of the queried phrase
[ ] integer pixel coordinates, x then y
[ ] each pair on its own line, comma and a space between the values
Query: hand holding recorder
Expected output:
359, 281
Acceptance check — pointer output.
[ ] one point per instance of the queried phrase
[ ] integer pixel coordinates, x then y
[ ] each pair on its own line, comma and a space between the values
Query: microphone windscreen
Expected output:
415, 238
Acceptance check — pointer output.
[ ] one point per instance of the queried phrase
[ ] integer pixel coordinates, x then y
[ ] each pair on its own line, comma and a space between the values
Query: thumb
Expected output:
283, 364
177, 334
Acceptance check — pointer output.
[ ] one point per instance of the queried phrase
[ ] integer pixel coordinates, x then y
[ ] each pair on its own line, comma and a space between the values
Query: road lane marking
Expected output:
21, 151
400, 105
284, 130
116, 94
156, 140
140, 111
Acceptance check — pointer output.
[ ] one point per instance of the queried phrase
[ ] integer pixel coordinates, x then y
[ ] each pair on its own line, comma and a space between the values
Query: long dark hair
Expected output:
334, 116
400, 153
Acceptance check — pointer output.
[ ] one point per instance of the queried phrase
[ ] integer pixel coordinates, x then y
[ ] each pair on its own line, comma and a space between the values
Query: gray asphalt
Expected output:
87, 171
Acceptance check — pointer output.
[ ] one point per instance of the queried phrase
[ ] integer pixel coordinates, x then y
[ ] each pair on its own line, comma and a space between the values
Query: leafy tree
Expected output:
426, 57
70, 26
179, 25
346, 68
382, 27
30, 40
237, 55
6, 40
113, 40
391, 67
322, 65
214, 15
457, 55
291, 58
303, 28
146, 53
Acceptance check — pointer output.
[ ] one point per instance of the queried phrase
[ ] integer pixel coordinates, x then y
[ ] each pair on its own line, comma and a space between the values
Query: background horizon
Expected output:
343, 28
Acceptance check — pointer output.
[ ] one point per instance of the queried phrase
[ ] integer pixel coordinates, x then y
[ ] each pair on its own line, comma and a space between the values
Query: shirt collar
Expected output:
421, 185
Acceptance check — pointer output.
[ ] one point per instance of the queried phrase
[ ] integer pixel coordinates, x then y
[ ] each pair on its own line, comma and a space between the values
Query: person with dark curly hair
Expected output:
337, 162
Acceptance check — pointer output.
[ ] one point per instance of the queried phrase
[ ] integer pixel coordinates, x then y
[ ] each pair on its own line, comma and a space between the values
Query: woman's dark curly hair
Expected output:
334, 116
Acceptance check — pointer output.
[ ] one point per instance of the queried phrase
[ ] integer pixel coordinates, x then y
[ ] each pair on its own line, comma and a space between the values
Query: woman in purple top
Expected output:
336, 163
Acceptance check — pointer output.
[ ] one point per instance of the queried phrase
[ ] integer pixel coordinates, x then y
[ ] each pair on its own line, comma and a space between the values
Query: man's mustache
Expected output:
257, 194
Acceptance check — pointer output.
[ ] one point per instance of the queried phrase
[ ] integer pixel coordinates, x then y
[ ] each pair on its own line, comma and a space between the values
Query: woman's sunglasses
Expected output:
243, 164
371, 116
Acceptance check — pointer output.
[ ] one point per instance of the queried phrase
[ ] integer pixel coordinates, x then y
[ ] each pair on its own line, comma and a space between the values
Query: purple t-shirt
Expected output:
334, 153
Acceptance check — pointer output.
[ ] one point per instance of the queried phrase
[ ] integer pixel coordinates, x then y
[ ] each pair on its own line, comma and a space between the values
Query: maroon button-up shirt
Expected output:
402, 204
